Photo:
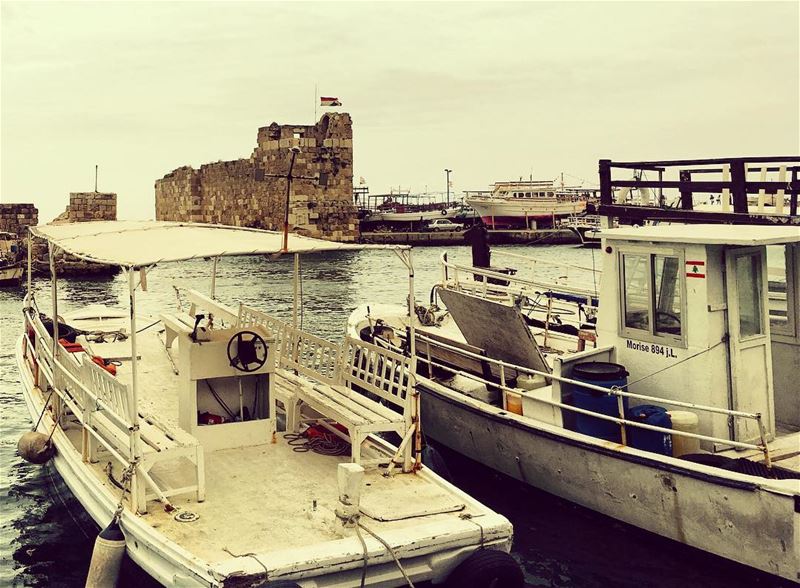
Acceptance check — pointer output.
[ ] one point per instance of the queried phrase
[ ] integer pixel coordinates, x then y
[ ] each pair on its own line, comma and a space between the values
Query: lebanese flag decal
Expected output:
695, 269
329, 101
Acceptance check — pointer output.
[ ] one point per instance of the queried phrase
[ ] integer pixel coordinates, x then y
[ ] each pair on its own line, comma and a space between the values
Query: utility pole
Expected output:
448, 172
295, 151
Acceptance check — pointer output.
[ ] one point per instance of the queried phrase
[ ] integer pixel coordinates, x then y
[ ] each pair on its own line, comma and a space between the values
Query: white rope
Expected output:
391, 552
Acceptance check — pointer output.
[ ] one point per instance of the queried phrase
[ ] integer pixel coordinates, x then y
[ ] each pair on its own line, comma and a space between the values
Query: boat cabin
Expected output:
707, 314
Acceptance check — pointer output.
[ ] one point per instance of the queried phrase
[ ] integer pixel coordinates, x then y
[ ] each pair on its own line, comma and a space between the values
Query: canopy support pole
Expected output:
412, 462
296, 289
138, 483
214, 278
51, 254
29, 293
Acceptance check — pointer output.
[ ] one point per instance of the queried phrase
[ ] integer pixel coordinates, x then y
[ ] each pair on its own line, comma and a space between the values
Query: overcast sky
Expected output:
491, 90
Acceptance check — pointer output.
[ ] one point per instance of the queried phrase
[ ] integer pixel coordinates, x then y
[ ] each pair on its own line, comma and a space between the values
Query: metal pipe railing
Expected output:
620, 421
611, 392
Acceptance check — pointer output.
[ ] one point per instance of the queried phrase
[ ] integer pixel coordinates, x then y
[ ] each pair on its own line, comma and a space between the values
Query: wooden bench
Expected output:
369, 393
159, 441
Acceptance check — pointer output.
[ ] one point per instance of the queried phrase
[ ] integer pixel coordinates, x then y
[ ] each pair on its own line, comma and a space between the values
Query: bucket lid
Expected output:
602, 371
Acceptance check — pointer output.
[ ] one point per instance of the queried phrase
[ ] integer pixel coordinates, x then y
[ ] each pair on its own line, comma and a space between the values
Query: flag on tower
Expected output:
329, 101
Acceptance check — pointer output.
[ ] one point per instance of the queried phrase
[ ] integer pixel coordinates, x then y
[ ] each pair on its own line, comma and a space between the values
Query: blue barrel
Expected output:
606, 375
654, 441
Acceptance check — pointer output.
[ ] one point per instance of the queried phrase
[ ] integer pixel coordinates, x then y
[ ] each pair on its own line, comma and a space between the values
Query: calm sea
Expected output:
46, 538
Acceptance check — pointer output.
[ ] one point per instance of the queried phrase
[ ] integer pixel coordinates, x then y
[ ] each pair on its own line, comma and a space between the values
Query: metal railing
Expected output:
614, 391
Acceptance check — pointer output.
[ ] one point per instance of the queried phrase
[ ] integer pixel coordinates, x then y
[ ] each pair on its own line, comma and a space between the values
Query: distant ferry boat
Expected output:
531, 204
402, 206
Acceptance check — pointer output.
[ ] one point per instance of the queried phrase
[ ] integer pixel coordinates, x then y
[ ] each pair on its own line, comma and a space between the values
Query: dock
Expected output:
496, 237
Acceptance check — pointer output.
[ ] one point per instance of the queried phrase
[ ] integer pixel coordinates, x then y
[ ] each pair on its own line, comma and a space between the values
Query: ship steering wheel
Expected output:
247, 351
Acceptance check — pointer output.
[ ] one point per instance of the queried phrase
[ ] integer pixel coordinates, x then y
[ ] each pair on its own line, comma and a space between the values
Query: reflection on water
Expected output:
46, 538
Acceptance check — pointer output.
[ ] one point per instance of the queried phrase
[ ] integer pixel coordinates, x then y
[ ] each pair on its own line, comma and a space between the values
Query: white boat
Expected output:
529, 204
684, 324
11, 269
171, 430
404, 207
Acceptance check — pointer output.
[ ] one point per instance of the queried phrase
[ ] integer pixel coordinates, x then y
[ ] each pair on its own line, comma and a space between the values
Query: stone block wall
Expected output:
252, 192
89, 206
16, 218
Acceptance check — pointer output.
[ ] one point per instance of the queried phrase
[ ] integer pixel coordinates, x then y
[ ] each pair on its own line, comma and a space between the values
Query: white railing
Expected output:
614, 391
83, 388
460, 276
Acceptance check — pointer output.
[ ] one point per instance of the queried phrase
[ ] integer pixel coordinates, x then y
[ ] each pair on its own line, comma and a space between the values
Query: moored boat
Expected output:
527, 204
170, 429
11, 268
682, 421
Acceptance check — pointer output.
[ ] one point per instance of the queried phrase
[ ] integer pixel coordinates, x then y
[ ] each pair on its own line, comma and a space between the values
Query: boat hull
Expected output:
11, 276
522, 212
725, 516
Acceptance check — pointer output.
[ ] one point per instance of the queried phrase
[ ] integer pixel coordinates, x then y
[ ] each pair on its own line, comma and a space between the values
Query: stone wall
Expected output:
16, 218
89, 206
252, 192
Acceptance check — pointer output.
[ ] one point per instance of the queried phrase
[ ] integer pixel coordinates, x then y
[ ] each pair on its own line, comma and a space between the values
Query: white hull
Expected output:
723, 513
11, 275
521, 211
417, 216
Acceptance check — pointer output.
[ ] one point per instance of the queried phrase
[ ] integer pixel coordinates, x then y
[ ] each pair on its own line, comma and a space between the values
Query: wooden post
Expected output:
739, 186
685, 177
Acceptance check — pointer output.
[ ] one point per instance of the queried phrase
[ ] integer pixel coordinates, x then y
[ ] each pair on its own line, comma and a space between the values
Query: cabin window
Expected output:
636, 292
527, 194
780, 289
652, 300
748, 287
668, 296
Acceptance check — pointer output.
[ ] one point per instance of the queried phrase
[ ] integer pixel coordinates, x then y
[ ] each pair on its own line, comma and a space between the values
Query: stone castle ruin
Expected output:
252, 192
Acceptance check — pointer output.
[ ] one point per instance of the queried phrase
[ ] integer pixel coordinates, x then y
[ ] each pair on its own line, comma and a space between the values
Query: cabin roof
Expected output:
143, 243
708, 234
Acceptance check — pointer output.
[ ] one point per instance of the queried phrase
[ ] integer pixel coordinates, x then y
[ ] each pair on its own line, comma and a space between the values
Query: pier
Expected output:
497, 237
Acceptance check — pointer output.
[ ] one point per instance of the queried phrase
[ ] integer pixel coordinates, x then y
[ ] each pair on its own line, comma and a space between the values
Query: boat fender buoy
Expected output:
485, 568
109, 548
35, 447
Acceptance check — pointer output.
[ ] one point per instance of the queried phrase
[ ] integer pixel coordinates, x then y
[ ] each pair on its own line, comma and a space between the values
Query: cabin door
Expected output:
750, 351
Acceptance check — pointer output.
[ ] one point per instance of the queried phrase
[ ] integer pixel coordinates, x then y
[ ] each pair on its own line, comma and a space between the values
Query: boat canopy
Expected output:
145, 243
708, 234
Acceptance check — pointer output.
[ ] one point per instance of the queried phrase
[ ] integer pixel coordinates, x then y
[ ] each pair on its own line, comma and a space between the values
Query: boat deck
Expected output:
262, 498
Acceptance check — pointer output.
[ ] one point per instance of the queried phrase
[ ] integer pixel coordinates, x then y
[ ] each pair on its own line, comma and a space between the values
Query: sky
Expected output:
492, 90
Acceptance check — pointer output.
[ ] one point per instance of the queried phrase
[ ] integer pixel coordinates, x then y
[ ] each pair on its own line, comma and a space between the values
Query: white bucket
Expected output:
688, 422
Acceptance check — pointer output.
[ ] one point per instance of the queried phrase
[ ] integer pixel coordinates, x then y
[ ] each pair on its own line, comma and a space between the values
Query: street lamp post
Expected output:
448, 172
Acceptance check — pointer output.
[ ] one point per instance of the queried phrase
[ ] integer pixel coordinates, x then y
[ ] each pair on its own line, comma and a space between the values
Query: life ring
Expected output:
444, 212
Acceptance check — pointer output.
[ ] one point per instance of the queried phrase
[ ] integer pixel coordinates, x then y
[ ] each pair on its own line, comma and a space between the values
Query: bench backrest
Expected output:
310, 355
199, 300
107, 388
378, 371
356, 364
